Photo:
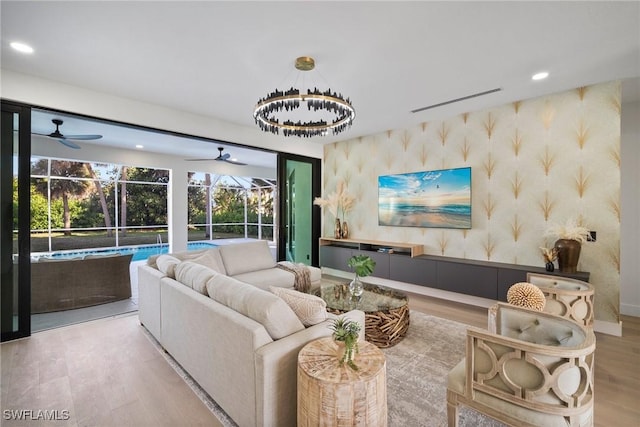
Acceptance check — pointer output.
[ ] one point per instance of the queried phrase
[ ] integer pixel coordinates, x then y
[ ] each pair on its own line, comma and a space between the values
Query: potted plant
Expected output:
345, 333
363, 266
570, 238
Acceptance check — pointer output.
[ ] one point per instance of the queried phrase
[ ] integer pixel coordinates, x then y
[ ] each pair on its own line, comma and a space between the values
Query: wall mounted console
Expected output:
405, 262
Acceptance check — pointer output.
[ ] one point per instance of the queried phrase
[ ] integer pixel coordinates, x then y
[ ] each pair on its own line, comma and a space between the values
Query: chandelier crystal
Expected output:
280, 102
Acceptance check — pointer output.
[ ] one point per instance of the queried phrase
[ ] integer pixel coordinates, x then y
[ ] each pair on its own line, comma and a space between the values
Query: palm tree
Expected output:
103, 200
123, 201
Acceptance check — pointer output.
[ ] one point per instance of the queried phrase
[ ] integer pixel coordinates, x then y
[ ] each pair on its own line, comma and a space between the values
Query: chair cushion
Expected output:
539, 329
260, 305
194, 275
310, 309
245, 257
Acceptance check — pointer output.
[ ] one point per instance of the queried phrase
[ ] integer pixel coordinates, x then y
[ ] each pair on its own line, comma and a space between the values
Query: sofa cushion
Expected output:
194, 275
264, 278
167, 265
310, 309
245, 257
210, 258
260, 305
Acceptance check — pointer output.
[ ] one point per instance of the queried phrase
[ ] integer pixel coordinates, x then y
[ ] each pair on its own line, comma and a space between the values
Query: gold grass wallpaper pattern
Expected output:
534, 163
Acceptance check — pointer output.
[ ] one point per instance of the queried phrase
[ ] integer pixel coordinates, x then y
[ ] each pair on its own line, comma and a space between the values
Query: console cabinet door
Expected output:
335, 257
468, 279
417, 271
382, 263
506, 278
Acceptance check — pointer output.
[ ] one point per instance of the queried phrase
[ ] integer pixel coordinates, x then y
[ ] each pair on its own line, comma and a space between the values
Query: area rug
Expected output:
417, 370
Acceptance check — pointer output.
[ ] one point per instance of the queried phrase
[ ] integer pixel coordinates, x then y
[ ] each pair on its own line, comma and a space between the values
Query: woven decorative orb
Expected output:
526, 295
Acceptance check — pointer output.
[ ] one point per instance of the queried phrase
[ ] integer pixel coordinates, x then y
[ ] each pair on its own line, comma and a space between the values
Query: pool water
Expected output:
140, 253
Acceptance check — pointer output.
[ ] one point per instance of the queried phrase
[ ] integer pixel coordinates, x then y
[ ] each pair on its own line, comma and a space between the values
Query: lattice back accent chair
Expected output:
566, 297
536, 370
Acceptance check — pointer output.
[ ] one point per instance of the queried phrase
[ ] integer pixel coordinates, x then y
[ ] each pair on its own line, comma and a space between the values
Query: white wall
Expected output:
630, 210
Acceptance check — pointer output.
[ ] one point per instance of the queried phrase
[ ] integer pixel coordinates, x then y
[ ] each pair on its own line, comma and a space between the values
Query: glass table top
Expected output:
374, 298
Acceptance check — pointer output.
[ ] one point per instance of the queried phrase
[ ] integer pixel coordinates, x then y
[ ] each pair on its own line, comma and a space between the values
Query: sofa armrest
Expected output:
276, 372
149, 299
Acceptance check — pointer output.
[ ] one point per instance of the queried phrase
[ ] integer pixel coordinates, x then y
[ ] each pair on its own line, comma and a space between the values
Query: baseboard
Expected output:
630, 310
609, 328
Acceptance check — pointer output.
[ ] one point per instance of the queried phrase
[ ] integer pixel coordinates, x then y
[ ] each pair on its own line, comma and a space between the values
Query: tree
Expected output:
123, 202
207, 183
146, 197
103, 200
62, 184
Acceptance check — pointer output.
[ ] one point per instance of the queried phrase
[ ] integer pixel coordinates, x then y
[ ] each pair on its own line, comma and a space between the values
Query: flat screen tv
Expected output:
435, 199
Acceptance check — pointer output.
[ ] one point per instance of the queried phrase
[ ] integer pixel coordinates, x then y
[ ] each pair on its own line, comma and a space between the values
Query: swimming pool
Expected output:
140, 253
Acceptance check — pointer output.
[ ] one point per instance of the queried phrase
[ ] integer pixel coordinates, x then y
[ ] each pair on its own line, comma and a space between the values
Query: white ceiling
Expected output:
218, 58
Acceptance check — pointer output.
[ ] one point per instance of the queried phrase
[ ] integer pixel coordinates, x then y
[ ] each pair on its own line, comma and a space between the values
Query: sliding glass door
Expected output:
15, 153
299, 219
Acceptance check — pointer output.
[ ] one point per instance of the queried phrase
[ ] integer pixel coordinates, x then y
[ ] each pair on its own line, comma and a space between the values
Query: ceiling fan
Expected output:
221, 158
66, 139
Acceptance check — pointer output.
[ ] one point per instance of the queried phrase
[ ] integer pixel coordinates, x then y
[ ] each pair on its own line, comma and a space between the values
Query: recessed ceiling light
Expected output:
21, 47
139, 146
540, 76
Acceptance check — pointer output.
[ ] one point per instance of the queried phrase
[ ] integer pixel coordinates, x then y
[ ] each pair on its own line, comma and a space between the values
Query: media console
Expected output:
406, 262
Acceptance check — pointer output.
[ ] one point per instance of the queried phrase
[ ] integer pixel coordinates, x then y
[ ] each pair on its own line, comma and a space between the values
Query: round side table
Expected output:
330, 394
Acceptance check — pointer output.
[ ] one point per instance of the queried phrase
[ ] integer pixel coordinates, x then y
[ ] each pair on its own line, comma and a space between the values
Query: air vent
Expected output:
487, 92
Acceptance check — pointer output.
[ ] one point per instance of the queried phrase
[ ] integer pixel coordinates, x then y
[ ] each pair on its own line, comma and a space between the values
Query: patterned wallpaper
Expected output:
534, 163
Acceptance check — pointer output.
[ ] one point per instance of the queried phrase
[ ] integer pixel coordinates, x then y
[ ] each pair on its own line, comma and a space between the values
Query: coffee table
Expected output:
386, 310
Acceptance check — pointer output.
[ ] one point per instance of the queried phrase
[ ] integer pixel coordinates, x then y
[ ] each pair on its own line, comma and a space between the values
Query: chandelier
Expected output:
339, 112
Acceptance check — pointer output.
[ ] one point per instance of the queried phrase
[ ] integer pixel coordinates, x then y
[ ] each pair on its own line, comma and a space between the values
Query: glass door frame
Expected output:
283, 204
24, 217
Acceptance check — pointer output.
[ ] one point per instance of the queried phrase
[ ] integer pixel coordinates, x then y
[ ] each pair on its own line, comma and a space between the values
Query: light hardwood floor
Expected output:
104, 372
108, 373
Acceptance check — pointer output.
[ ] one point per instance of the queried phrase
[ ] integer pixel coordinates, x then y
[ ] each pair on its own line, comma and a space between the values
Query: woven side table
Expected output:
333, 395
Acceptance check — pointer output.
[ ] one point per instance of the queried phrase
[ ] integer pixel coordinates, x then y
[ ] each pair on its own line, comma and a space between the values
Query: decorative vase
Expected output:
345, 354
549, 266
345, 230
355, 287
568, 255
337, 231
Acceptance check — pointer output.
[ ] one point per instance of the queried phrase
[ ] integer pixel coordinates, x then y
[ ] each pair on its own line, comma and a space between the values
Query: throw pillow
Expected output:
310, 309
262, 306
194, 275
167, 265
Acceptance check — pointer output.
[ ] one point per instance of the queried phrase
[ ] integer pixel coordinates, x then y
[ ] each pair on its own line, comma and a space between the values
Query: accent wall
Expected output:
535, 163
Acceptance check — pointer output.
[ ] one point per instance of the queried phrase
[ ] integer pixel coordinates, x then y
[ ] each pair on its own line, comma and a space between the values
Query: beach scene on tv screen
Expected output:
438, 199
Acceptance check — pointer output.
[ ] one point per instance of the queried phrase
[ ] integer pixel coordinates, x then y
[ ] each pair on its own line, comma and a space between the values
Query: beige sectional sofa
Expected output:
249, 262
239, 341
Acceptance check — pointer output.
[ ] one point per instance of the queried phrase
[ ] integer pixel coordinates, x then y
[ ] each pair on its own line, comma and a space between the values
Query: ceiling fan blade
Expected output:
69, 144
82, 137
199, 160
235, 163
